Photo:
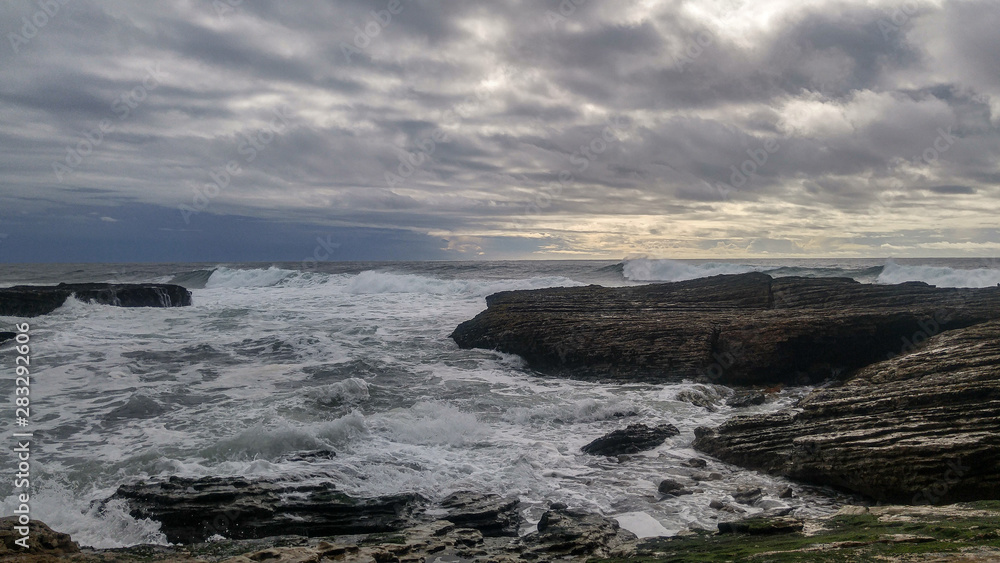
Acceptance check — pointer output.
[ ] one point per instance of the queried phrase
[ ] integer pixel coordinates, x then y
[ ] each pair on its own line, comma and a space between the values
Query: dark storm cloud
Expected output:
456, 122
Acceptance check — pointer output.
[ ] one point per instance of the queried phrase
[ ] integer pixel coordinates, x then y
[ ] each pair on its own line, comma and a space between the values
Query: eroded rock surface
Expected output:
735, 329
919, 428
632, 439
35, 300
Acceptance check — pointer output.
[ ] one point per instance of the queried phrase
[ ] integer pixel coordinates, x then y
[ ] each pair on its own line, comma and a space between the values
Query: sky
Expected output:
231, 130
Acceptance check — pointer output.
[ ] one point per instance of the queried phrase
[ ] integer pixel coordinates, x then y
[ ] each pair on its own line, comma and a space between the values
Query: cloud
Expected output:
494, 118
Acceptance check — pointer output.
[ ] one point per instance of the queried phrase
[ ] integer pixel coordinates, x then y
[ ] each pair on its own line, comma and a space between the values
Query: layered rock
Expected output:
35, 300
193, 510
734, 329
919, 428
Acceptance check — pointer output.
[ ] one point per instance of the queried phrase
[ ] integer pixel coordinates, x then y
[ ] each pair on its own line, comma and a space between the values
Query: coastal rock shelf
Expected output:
193, 510
35, 300
743, 329
920, 428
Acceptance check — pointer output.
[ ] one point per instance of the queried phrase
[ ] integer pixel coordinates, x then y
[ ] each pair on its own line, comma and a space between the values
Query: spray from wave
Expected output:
646, 269
940, 276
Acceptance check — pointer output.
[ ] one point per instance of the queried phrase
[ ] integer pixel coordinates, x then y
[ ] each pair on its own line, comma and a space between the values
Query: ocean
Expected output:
273, 359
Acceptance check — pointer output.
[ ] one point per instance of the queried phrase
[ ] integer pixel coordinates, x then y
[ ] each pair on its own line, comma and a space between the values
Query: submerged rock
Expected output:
741, 329
633, 439
919, 428
35, 300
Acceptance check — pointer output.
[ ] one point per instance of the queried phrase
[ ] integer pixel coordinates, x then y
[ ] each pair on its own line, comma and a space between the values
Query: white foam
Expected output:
232, 278
642, 525
646, 269
940, 276
370, 281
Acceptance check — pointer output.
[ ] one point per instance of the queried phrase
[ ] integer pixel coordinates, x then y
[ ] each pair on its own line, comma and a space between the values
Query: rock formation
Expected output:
733, 329
35, 300
919, 428
633, 439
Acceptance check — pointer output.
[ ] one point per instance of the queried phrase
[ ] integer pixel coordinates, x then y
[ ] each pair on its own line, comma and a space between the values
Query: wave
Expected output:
386, 282
646, 269
941, 276
195, 279
233, 278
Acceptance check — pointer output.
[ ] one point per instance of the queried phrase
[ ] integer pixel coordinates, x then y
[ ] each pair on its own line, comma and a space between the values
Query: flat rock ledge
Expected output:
35, 300
969, 533
746, 329
195, 510
921, 428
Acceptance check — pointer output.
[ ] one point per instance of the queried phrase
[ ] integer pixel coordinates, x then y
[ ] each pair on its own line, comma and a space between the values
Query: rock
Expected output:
787, 492
192, 510
35, 300
670, 486
745, 399
741, 329
696, 462
919, 428
748, 495
41, 540
635, 438
575, 533
5, 336
491, 514
762, 526
312, 455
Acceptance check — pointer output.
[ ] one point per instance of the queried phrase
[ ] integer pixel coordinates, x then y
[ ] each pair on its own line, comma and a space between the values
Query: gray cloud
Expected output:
456, 120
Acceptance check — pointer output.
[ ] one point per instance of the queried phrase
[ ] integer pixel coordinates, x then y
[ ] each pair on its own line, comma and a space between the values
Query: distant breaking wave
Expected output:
940, 276
650, 270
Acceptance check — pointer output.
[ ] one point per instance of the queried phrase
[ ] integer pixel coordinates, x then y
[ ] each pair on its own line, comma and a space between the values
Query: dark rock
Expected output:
5, 336
35, 300
312, 455
748, 495
745, 399
735, 329
716, 504
491, 514
669, 486
192, 510
919, 428
633, 439
575, 533
787, 492
762, 526
42, 540
696, 462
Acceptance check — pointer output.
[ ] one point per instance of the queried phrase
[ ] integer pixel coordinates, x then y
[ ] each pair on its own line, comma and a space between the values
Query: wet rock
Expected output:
787, 492
308, 456
576, 533
672, 487
35, 300
633, 439
743, 399
5, 336
748, 495
192, 510
919, 428
41, 540
696, 462
744, 329
492, 515
762, 526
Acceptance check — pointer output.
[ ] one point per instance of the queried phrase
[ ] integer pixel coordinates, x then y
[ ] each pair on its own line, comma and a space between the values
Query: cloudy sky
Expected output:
456, 129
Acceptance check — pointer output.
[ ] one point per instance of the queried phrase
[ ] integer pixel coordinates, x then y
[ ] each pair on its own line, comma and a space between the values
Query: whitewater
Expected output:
271, 360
